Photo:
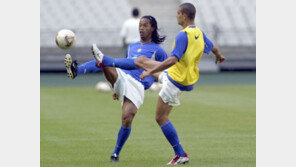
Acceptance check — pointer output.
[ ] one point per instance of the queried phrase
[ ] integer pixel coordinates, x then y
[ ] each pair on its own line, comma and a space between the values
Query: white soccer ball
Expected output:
156, 87
103, 87
65, 39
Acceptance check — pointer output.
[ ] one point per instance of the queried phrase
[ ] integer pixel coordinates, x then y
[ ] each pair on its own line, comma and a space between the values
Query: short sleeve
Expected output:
180, 45
160, 55
208, 44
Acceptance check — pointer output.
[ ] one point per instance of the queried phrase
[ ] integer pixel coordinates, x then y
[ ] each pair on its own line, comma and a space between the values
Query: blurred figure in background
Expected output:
130, 30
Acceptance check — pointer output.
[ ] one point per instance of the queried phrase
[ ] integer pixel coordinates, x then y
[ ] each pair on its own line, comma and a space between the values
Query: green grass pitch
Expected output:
215, 123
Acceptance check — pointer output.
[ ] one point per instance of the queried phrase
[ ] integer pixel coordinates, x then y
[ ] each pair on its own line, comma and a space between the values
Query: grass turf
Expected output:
216, 126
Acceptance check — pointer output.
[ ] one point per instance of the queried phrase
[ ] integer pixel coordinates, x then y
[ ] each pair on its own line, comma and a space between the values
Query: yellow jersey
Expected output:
185, 72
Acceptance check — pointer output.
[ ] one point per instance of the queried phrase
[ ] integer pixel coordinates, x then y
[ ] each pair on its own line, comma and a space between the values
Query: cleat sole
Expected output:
68, 62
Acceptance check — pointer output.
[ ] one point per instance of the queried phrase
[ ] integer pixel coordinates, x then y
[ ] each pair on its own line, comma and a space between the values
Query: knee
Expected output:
127, 119
160, 119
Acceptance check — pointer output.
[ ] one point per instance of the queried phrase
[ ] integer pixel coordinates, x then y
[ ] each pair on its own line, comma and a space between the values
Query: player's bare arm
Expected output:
219, 57
160, 67
145, 63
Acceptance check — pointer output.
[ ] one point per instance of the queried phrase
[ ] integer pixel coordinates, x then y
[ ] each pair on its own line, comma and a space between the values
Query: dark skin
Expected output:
145, 30
129, 109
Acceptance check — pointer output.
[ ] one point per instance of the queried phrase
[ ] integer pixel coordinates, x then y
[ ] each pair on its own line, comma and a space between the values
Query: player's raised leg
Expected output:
98, 55
102, 60
162, 113
110, 74
123, 63
88, 67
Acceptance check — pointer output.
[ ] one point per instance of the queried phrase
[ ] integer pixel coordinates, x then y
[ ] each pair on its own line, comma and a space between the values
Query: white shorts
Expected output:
169, 93
127, 86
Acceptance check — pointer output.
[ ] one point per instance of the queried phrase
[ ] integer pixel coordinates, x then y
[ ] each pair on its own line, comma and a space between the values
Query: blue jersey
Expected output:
148, 50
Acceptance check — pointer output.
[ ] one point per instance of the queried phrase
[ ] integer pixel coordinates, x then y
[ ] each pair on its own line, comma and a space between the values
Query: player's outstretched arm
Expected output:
219, 57
145, 63
160, 67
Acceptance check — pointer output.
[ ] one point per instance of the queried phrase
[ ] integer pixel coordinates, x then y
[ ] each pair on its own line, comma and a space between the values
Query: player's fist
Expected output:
145, 74
115, 96
220, 59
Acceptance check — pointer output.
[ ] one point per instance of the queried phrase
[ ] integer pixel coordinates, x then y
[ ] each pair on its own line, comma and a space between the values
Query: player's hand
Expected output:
145, 74
220, 59
115, 96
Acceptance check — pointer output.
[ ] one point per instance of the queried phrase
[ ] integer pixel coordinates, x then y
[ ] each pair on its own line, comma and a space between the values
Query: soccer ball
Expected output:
103, 87
156, 87
65, 39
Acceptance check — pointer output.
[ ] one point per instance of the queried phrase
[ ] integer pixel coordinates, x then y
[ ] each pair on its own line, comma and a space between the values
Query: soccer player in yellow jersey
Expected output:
189, 46
183, 73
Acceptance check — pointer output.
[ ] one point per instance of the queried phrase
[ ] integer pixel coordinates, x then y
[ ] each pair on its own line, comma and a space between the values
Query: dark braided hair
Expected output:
156, 38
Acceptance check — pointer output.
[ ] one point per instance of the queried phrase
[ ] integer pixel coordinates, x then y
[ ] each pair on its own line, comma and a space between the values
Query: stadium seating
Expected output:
228, 22
97, 21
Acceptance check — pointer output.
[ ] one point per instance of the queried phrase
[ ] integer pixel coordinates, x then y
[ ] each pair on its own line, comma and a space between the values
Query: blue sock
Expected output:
88, 67
127, 64
172, 136
121, 138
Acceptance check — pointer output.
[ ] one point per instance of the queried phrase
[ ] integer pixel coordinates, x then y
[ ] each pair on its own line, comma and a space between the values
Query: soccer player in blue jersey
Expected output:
182, 73
127, 84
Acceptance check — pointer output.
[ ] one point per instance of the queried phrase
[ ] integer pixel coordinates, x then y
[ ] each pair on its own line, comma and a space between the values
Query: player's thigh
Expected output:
110, 74
162, 109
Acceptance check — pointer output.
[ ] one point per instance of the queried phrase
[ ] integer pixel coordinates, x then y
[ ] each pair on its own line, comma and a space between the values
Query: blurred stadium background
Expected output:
220, 114
231, 24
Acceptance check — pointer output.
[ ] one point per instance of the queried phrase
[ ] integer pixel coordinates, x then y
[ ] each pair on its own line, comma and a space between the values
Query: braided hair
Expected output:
156, 38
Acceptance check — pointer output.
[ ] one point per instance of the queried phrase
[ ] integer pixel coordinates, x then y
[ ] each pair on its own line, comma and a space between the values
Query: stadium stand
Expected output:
228, 22
231, 24
92, 20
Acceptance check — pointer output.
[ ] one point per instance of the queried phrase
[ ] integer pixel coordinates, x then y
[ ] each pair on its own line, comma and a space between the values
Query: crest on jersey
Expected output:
139, 50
